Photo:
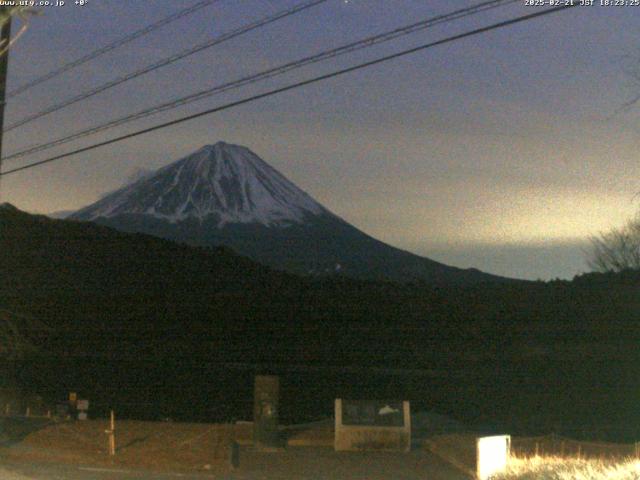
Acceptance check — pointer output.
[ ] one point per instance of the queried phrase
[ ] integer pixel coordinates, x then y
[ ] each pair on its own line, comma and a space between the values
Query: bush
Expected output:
559, 468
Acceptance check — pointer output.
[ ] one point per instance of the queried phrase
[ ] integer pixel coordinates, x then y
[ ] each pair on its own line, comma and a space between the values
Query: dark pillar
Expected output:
265, 412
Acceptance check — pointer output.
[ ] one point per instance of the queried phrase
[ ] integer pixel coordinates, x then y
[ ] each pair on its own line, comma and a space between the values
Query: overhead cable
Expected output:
166, 61
296, 85
266, 74
111, 46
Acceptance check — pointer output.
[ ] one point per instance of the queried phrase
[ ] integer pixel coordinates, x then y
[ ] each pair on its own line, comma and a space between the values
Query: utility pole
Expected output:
5, 38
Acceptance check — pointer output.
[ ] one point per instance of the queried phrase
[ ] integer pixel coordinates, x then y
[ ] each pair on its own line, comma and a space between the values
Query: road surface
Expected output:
302, 463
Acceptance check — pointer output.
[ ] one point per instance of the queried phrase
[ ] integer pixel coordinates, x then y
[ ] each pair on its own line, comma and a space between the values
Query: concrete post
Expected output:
265, 412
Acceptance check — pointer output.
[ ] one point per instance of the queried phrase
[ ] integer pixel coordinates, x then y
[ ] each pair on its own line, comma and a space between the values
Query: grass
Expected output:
563, 468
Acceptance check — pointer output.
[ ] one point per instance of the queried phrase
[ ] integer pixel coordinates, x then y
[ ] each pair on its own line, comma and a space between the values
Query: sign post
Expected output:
492, 455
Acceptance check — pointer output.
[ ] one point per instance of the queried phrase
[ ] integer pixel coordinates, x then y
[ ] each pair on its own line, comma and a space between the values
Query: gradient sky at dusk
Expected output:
503, 151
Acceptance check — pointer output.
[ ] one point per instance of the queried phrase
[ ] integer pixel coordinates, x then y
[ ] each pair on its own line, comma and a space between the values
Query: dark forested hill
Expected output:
156, 328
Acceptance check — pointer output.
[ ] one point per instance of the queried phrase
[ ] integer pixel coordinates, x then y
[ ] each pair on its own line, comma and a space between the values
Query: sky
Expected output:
503, 151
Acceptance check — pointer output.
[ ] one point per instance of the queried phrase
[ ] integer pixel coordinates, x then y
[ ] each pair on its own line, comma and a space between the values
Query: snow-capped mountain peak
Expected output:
226, 195
223, 181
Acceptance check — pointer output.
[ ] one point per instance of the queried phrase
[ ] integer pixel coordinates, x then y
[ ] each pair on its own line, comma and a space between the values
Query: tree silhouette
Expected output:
618, 249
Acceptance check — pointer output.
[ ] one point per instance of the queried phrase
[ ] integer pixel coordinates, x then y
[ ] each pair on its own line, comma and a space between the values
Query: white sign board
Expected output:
372, 425
493, 455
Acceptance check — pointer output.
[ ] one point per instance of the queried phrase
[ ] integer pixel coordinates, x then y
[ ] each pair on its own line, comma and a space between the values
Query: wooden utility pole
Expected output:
5, 38
112, 434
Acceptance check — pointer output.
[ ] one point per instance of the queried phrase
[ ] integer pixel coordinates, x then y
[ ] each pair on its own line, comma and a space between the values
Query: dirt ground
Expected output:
11, 475
157, 446
79, 450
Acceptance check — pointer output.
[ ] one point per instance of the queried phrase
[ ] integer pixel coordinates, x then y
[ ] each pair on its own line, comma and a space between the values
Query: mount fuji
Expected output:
225, 194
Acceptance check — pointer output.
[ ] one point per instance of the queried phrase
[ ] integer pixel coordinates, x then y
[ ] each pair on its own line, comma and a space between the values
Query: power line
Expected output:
269, 73
112, 46
310, 81
167, 61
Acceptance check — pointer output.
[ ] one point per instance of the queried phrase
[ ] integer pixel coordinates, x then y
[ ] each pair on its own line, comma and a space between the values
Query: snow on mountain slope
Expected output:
226, 182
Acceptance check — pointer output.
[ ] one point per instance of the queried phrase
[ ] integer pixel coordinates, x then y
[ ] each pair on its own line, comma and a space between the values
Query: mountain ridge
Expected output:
225, 194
